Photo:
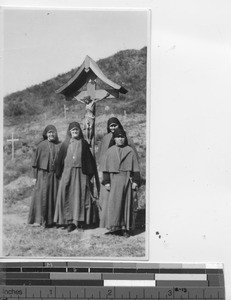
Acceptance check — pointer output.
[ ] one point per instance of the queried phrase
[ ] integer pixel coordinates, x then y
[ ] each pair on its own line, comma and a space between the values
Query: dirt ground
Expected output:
21, 239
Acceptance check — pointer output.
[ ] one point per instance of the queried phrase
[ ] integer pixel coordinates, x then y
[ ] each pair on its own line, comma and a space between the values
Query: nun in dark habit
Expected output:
75, 166
108, 140
121, 175
112, 124
46, 183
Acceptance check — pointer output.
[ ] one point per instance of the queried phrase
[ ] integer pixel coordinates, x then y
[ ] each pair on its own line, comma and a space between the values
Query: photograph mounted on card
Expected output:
76, 102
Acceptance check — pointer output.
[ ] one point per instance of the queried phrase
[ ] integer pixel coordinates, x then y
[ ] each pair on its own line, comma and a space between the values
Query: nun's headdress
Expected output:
71, 126
49, 128
113, 120
117, 133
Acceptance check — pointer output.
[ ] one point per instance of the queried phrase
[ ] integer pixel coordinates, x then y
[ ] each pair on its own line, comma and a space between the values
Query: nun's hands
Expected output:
108, 186
134, 186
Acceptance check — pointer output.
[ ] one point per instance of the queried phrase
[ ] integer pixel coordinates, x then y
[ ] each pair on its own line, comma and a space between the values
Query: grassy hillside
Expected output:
126, 68
20, 239
31, 132
26, 113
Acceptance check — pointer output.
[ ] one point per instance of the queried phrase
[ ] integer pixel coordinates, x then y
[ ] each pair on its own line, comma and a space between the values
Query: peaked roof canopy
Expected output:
88, 68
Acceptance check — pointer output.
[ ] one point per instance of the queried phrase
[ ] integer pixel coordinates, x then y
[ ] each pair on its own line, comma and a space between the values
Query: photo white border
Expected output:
148, 111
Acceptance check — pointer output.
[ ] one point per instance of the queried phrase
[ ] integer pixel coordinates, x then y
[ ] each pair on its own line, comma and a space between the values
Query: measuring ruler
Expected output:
110, 280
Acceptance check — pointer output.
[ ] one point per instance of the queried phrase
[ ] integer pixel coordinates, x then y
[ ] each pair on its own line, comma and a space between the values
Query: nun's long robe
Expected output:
103, 147
46, 187
74, 203
119, 167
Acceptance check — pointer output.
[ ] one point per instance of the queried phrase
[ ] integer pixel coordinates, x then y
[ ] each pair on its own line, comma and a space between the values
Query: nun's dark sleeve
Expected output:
136, 178
106, 178
59, 162
35, 173
34, 164
88, 162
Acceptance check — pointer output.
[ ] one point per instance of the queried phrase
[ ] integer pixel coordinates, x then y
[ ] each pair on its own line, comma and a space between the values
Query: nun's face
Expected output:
119, 141
75, 133
51, 135
113, 127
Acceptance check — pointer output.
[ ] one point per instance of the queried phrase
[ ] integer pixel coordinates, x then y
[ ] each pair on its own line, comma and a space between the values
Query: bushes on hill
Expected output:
127, 68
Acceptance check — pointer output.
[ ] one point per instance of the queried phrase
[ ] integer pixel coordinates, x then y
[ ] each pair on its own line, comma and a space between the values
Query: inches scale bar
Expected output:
109, 280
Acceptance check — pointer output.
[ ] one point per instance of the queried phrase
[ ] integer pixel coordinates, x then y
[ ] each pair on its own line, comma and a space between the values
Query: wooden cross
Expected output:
87, 74
12, 140
65, 111
93, 96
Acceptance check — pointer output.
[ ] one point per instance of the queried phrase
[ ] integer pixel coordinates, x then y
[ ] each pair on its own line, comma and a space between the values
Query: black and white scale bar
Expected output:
93, 267
99, 280
66, 292
110, 279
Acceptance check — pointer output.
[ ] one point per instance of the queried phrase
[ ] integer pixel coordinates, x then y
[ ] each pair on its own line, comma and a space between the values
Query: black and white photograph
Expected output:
116, 149
75, 91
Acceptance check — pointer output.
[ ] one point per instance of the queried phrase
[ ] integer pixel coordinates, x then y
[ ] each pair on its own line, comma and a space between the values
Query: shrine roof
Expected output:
88, 68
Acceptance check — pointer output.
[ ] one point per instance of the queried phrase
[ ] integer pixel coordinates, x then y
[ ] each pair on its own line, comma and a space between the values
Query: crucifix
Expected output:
12, 140
88, 73
90, 109
89, 116
65, 111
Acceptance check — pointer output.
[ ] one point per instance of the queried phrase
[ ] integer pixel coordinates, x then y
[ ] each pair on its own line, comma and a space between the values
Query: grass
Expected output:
21, 239
38, 242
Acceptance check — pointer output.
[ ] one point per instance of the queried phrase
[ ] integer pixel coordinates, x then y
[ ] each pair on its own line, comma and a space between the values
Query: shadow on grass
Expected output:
137, 231
138, 226
139, 222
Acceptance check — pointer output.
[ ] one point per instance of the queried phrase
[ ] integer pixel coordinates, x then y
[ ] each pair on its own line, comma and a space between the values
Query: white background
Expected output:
190, 128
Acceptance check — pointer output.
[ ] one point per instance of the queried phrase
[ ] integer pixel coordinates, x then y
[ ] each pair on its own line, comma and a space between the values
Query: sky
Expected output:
39, 44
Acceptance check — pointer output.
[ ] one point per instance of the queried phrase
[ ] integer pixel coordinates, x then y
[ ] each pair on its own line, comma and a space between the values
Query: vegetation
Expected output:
21, 239
127, 68
26, 113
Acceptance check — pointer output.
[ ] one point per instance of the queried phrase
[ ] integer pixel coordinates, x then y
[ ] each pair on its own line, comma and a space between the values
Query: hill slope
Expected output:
26, 113
127, 68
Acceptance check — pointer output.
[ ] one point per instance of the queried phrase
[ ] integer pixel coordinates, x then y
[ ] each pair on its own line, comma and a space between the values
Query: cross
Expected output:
93, 96
12, 140
65, 111
87, 74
